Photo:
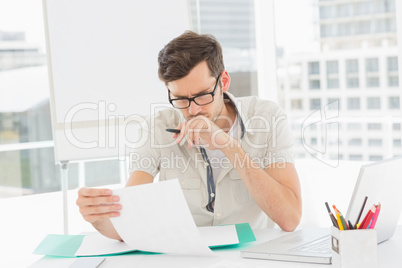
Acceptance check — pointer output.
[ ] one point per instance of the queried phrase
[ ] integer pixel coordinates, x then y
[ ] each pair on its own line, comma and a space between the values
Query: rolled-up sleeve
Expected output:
146, 157
280, 140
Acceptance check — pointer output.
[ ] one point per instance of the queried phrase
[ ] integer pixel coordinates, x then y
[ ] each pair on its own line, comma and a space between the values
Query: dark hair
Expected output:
184, 52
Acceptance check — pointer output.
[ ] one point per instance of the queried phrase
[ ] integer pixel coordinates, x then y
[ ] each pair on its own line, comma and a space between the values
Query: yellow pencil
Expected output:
338, 219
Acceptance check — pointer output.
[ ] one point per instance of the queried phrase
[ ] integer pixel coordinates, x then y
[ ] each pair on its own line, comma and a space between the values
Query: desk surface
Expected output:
389, 255
28, 219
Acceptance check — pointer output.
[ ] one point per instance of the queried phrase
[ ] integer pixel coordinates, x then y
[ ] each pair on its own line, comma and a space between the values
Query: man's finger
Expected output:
91, 201
97, 217
94, 192
88, 210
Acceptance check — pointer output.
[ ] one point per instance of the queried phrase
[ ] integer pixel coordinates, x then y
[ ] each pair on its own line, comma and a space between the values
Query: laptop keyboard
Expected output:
321, 245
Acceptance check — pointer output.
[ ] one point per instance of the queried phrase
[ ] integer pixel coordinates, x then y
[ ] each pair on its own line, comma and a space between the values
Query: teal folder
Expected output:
68, 245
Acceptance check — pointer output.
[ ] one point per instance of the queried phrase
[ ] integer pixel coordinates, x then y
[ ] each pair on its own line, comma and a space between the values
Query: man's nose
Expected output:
194, 109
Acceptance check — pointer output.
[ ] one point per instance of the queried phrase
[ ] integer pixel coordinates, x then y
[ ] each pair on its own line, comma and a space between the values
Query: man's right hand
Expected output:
97, 204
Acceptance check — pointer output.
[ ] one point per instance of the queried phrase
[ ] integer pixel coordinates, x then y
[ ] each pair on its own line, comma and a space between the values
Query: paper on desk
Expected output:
219, 235
97, 244
155, 218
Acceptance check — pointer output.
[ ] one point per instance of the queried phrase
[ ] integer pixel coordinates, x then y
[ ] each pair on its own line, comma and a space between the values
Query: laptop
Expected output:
381, 182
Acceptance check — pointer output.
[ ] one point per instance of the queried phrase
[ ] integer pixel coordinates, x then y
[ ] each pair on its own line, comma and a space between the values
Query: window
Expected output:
313, 127
314, 84
334, 104
332, 74
396, 143
392, 64
352, 82
396, 126
355, 142
327, 30
352, 66
363, 27
392, 68
372, 65
355, 157
375, 142
373, 81
314, 67
313, 141
333, 83
393, 102
353, 103
375, 157
373, 103
332, 67
374, 126
315, 104
354, 126
393, 81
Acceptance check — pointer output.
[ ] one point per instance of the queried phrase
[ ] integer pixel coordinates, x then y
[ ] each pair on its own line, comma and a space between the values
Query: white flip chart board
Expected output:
102, 62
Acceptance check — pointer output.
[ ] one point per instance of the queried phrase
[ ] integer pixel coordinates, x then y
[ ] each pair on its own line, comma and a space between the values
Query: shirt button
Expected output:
212, 195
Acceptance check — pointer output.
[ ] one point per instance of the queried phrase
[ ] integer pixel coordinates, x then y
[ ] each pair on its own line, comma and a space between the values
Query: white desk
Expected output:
389, 255
27, 220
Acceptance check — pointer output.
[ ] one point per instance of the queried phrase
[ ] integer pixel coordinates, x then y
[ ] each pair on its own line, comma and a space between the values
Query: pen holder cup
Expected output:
354, 248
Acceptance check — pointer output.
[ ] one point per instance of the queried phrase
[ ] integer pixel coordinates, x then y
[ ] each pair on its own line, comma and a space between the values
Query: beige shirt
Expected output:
264, 134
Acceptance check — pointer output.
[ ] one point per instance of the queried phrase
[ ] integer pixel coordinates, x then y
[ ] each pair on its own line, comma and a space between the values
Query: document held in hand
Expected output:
155, 218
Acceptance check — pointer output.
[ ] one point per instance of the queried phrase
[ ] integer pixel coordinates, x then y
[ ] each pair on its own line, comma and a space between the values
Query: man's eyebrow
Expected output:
196, 95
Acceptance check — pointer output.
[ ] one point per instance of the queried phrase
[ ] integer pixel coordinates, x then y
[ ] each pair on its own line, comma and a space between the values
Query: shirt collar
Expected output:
232, 100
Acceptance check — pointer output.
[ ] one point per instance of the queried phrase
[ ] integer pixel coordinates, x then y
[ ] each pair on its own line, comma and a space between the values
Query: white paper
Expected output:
219, 235
97, 244
155, 218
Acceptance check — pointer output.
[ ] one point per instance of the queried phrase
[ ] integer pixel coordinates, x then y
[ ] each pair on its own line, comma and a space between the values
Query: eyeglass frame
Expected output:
212, 93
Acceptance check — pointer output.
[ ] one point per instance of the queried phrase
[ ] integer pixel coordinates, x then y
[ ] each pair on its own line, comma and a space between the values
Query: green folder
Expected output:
67, 245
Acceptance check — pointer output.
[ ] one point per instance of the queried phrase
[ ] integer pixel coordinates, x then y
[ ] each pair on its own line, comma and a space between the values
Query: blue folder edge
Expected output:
67, 245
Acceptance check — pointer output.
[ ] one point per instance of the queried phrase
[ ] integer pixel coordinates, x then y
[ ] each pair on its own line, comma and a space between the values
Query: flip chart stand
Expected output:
64, 188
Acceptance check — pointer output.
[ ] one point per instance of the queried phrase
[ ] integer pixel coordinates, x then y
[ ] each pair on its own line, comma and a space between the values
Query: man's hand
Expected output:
202, 131
97, 204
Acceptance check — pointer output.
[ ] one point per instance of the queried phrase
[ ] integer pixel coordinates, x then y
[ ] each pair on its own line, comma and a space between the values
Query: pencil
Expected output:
343, 222
368, 218
361, 211
375, 217
331, 215
173, 130
338, 219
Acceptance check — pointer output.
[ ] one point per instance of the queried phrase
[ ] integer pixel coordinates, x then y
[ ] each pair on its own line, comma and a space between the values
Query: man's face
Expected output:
197, 82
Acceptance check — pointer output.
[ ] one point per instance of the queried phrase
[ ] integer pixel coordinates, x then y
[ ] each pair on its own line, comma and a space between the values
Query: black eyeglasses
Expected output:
200, 100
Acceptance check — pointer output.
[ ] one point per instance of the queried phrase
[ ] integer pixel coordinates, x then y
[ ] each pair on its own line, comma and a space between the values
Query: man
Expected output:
232, 156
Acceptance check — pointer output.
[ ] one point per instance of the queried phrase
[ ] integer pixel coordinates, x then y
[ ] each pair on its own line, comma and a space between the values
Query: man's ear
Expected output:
225, 78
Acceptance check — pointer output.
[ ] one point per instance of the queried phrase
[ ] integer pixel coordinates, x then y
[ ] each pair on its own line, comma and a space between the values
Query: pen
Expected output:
361, 211
331, 215
173, 130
